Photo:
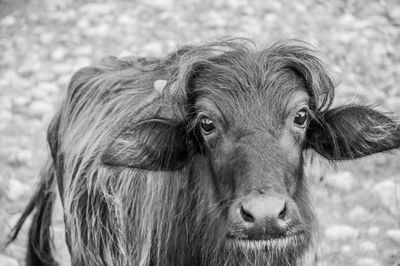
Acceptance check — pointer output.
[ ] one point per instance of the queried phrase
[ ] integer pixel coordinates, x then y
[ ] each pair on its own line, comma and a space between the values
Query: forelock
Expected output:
235, 73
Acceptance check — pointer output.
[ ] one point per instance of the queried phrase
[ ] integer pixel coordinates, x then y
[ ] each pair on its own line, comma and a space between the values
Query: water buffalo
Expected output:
195, 158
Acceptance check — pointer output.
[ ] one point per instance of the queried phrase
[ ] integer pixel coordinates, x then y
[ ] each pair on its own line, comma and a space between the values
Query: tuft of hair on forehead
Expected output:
236, 69
299, 59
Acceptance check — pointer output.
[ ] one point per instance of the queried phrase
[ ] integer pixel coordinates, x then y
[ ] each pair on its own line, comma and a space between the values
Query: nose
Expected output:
264, 216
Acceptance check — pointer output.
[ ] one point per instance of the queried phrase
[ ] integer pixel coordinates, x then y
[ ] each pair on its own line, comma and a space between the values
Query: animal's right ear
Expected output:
155, 144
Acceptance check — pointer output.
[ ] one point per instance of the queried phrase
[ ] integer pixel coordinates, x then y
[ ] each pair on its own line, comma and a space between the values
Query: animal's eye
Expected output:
301, 118
207, 125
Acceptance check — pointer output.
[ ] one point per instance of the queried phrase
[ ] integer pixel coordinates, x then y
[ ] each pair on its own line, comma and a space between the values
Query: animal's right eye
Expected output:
207, 125
301, 118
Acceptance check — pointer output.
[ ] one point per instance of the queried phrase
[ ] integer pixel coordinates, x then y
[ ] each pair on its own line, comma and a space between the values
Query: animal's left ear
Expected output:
352, 131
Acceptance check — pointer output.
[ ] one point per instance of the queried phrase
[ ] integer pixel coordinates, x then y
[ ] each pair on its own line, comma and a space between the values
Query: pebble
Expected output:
7, 261
162, 4
346, 249
94, 9
20, 157
62, 68
84, 50
47, 87
215, 19
153, 48
16, 189
274, 6
393, 104
392, 253
368, 246
39, 94
83, 24
21, 100
343, 180
58, 54
45, 76
30, 67
41, 108
12, 79
367, 262
125, 20
8, 20
341, 232
80, 62
394, 234
389, 195
347, 20
46, 37
6, 102
374, 230
101, 30
63, 80
358, 213
16, 250
5, 116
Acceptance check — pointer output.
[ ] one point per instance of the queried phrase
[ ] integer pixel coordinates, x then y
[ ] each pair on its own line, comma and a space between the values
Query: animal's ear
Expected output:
155, 144
351, 132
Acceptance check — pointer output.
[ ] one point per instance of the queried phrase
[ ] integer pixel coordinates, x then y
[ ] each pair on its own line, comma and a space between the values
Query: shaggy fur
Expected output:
140, 186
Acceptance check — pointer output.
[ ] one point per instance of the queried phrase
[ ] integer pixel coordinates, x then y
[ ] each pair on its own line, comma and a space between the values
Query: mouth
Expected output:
279, 243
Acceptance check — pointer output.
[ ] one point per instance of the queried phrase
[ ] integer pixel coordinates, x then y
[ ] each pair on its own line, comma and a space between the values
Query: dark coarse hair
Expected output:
160, 210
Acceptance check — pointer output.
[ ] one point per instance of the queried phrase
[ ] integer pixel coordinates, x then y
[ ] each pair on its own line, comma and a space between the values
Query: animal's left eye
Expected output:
301, 118
207, 125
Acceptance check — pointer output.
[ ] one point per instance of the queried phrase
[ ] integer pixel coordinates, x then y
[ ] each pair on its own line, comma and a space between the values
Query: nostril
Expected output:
247, 217
283, 212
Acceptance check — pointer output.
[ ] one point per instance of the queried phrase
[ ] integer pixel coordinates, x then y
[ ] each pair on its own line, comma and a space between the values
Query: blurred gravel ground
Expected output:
43, 42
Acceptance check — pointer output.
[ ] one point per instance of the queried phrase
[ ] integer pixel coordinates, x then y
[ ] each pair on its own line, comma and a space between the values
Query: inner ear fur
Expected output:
156, 144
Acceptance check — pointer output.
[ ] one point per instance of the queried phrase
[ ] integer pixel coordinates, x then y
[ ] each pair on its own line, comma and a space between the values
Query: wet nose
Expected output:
263, 215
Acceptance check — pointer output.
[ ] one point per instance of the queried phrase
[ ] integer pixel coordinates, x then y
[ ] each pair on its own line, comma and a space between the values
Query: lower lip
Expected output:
272, 243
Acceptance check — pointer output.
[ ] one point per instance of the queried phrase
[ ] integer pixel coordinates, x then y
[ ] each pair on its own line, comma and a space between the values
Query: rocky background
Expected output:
42, 42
